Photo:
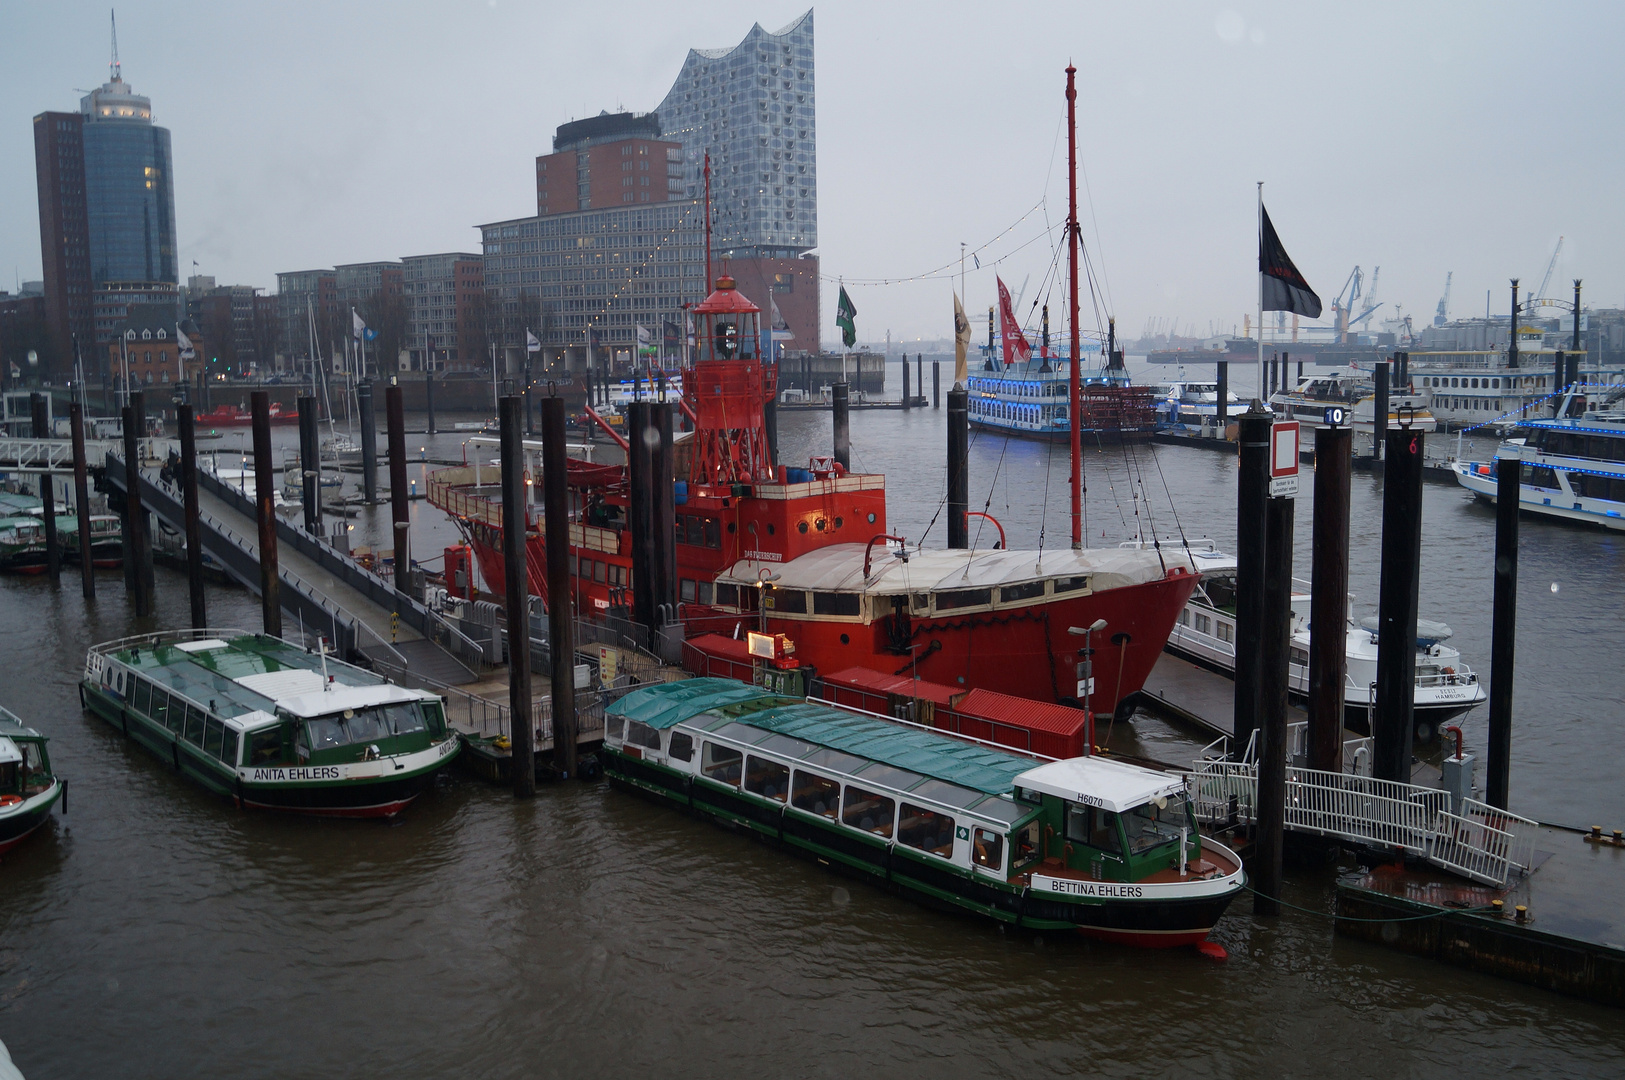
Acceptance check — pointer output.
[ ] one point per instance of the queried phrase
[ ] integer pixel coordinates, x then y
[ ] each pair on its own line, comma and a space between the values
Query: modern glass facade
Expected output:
612, 269
130, 201
752, 108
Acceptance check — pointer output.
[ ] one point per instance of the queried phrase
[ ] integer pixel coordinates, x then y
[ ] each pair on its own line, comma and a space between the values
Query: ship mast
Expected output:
1074, 242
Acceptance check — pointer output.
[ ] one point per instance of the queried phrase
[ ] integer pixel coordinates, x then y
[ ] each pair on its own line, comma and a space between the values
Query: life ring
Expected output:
10, 800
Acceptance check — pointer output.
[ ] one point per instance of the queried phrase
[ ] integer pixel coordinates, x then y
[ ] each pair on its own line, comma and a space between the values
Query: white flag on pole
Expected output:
531, 344
187, 352
358, 327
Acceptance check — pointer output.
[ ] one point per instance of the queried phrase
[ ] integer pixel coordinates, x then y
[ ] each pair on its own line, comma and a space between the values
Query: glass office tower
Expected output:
129, 189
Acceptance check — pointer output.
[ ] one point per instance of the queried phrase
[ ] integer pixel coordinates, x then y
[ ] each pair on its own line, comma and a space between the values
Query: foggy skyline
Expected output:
1461, 138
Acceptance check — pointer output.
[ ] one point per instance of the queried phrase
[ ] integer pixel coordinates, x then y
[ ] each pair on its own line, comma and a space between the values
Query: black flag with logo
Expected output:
1284, 288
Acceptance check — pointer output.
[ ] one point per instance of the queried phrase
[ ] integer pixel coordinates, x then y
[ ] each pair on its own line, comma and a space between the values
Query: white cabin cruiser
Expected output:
1206, 633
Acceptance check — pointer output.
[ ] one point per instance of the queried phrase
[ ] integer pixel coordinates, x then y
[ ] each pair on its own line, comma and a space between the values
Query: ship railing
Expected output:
1484, 843
1463, 676
1356, 756
155, 637
1364, 809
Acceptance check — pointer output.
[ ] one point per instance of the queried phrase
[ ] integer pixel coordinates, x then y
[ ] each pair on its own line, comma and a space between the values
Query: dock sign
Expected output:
1284, 459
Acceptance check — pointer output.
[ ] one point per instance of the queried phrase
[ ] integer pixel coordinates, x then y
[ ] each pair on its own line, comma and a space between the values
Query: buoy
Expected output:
1212, 950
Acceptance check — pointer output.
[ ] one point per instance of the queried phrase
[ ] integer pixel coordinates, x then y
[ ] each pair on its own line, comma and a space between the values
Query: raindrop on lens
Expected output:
1554, 588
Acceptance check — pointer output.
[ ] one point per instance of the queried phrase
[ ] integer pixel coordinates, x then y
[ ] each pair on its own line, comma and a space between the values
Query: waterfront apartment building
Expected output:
303, 297
445, 312
107, 208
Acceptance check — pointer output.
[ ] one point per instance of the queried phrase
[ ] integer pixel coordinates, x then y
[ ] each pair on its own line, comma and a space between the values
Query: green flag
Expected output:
844, 311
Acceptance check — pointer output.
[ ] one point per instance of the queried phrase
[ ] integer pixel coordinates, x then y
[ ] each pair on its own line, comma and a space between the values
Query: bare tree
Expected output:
385, 314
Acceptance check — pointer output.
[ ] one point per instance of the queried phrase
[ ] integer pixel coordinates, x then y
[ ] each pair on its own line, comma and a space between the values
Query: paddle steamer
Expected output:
1104, 848
271, 725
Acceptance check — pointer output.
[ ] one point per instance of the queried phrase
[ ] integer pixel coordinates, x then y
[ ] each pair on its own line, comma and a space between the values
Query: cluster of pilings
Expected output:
1264, 528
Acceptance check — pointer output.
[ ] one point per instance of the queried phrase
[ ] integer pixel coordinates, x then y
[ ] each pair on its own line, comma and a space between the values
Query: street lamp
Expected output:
1086, 673
764, 578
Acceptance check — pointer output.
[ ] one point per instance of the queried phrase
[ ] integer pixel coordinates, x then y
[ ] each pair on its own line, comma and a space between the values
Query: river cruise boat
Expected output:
1206, 633
1355, 392
271, 725
1193, 406
1100, 847
22, 541
28, 788
1031, 399
1573, 470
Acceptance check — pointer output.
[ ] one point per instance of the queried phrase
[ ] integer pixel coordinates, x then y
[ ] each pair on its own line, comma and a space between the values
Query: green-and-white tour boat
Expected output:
28, 788
1087, 844
269, 724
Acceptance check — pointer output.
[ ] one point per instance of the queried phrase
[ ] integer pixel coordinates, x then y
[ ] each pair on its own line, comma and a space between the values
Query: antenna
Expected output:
113, 17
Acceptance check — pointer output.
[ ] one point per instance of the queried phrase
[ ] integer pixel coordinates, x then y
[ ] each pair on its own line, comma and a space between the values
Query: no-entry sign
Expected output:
1284, 459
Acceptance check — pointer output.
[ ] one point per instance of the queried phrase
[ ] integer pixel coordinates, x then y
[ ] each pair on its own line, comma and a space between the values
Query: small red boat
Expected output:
237, 416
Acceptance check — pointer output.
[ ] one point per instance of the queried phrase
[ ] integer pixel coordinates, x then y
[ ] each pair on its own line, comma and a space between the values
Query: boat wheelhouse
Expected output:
1102, 847
1206, 633
269, 724
28, 788
1573, 470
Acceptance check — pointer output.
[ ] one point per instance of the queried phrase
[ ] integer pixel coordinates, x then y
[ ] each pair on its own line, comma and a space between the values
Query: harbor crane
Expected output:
1347, 299
1442, 316
1364, 318
1550, 266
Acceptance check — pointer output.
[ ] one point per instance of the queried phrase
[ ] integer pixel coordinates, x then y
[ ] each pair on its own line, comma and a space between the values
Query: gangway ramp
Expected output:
327, 591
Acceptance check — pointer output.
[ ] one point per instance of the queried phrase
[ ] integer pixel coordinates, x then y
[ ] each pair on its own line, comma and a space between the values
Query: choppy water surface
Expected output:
155, 931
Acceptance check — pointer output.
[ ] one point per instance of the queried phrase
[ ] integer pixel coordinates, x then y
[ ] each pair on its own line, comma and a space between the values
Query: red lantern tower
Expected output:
726, 388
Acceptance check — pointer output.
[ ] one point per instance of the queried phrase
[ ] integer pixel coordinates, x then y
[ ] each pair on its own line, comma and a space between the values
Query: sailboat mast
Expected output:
1073, 243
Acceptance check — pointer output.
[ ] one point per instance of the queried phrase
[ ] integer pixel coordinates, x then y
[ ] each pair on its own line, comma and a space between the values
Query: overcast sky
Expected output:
1422, 138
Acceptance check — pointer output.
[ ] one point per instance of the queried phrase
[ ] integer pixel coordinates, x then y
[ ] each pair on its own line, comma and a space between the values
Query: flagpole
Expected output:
1260, 395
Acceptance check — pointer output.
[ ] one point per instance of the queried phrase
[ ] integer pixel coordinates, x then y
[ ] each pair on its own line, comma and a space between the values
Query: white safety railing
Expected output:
1481, 842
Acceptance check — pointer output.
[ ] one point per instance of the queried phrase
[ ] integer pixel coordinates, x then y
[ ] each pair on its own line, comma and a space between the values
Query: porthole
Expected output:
732, 528
871, 519
820, 524
838, 523
846, 639
800, 526
770, 529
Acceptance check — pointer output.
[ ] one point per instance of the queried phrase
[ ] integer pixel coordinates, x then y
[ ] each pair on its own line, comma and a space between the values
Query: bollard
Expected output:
310, 473
936, 384
81, 498
1222, 413
428, 400
515, 523
1252, 488
141, 538
1503, 626
399, 509
560, 620
1379, 411
640, 511
1272, 695
369, 442
1393, 725
842, 424
47, 493
958, 467
194, 538
905, 381
1328, 601
265, 514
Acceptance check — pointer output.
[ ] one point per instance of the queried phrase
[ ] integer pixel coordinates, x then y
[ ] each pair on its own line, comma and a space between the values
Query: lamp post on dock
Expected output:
764, 578
1086, 676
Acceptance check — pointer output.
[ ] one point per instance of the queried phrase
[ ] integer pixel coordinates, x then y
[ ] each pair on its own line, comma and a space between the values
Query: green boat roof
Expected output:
938, 756
209, 676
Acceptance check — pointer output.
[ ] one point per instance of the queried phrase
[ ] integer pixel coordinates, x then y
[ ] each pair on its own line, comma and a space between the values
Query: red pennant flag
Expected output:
1016, 349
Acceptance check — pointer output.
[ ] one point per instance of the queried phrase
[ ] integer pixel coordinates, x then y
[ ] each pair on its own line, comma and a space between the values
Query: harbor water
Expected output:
154, 931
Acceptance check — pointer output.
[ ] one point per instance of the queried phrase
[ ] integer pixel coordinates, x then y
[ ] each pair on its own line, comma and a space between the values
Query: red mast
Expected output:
1073, 244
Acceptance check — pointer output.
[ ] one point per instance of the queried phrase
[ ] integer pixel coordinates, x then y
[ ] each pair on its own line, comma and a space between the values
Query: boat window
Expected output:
706, 593
228, 747
1221, 591
1150, 825
597, 572
787, 601
159, 710
836, 760
365, 725
835, 603
785, 745
8, 777
728, 595
265, 747
194, 731
886, 775
686, 592
948, 794
741, 732
682, 746
713, 533
963, 598
1093, 826
928, 830
815, 794
325, 733
212, 733
868, 810
766, 778
1071, 584
141, 699
1027, 590
641, 734
987, 848
1001, 809
721, 763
